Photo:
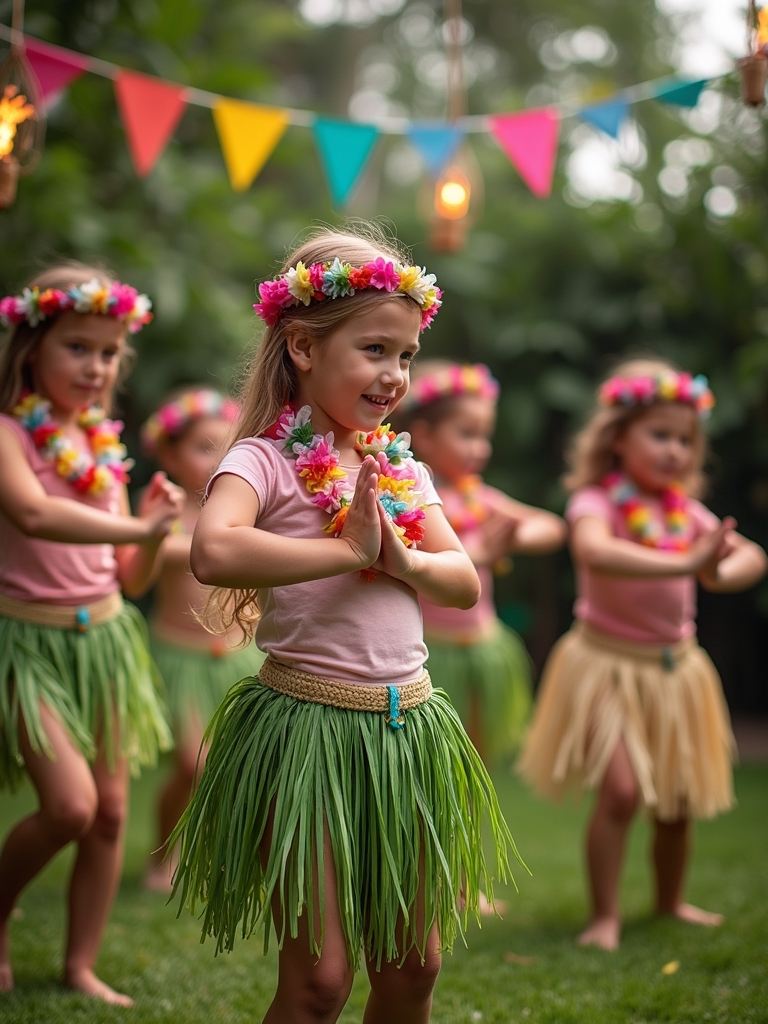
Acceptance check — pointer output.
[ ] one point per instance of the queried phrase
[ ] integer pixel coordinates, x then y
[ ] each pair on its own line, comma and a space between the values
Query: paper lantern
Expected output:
22, 124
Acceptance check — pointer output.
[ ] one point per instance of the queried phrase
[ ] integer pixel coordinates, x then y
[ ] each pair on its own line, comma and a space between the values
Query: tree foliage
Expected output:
546, 292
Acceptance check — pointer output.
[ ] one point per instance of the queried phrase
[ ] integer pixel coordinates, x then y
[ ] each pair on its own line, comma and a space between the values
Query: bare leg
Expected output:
173, 800
404, 993
606, 839
312, 990
67, 805
94, 881
670, 854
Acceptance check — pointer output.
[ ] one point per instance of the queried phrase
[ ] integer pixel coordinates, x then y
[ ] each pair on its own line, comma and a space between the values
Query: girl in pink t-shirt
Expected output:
450, 412
186, 435
78, 699
340, 791
629, 703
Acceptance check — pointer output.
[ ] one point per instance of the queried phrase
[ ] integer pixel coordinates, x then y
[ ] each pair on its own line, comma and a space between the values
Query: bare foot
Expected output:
159, 877
694, 915
6, 974
487, 909
602, 932
85, 981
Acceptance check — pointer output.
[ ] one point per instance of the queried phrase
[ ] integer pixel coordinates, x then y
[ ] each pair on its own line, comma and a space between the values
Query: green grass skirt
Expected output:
196, 681
397, 805
100, 683
495, 674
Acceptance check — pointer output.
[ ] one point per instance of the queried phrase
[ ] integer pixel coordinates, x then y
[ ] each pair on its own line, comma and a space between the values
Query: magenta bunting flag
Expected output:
54, 67
530, 141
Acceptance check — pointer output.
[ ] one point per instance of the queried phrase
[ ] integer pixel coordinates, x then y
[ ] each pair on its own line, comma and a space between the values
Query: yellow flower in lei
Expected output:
408, 278
299, 283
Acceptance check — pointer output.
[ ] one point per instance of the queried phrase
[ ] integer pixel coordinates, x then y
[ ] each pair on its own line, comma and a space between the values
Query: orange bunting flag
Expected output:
530, 141
150, 109
248, 134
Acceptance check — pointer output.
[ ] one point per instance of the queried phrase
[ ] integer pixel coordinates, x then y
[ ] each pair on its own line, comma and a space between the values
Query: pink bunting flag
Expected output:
530, 141
150, 109
54, 67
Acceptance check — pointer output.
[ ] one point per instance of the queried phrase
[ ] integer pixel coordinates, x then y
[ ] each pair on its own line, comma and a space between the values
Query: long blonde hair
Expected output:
270, 381
590, 456
23, 339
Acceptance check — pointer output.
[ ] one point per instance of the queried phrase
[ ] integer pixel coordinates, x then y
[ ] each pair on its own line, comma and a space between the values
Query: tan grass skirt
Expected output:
666, 703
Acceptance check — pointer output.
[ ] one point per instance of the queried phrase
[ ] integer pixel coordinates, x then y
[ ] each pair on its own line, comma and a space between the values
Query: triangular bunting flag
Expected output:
344, 149
248, 134
608, 116
151, 109
436, 144
679, 91
530, 141
54, 67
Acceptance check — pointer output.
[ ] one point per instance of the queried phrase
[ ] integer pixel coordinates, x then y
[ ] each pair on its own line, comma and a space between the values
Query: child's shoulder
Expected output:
15, 428
589, 501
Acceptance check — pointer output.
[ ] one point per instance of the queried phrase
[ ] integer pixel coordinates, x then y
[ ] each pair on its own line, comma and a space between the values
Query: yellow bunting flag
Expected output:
248, 134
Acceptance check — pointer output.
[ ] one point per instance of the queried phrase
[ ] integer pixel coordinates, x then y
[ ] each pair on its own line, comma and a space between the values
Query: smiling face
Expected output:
354, 377
459, 444
77, 362
660, 447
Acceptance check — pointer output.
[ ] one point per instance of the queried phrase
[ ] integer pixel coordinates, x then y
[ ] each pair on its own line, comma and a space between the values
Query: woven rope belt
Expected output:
78, 617
668, 655
316, 690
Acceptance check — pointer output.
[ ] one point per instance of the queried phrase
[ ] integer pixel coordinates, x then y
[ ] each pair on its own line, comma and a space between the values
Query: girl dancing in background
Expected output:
629, 704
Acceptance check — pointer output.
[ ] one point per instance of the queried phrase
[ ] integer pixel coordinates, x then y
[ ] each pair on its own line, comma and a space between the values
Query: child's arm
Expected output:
440, 570
533, 531
139, 564
593, 545
37, 514
229, 551
739, 564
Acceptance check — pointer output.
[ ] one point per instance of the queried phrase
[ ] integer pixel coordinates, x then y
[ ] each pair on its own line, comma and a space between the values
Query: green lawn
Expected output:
722, 976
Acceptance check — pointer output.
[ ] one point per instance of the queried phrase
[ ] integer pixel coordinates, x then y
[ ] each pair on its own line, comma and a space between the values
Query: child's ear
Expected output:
299, 346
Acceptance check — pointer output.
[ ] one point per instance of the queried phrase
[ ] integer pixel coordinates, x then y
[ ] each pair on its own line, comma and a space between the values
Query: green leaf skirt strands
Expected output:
99, 682
196, 681
396, 805
495, 674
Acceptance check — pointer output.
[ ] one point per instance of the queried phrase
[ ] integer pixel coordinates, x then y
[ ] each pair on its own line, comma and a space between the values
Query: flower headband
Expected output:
302, 285
668, 386
451, 381
118, 300
171, 418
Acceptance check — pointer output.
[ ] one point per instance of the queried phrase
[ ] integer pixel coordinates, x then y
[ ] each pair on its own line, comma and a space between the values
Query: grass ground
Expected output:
525, 968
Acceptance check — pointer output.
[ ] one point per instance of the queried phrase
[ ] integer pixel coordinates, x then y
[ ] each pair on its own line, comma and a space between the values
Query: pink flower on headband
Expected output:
275, 296
124, 297
383, 275
316, 276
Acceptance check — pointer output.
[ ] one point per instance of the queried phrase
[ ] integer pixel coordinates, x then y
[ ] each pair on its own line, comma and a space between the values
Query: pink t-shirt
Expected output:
342, 627
49, 571
463, 623
657, 611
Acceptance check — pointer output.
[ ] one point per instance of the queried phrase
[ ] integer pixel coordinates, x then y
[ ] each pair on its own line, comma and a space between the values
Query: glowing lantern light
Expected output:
452, 194
754, 67
22, 127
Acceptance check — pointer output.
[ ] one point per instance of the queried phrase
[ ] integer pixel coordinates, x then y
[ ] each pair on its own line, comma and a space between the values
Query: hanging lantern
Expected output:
455, 202
754, 67
22, 124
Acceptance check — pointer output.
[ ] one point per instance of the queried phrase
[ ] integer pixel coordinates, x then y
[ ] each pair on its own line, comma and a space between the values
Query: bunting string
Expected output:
151, 108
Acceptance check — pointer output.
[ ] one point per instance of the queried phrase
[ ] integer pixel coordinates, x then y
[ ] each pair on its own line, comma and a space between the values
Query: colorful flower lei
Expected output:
472, 512
663, 387
640, 521
171, 418
449, 382
302, 285
118, 300
317, 461
93, 475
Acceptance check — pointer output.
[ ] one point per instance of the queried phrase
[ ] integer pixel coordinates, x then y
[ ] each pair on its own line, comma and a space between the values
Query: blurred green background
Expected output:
665, 251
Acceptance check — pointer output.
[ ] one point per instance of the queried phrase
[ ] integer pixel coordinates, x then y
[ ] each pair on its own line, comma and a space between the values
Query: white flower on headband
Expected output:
422, 285
141, 307
91, 297
299, 283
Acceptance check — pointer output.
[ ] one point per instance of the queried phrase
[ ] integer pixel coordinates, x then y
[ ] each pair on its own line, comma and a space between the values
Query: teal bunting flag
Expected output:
344, 150
436, 144
608, 116
680, 92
